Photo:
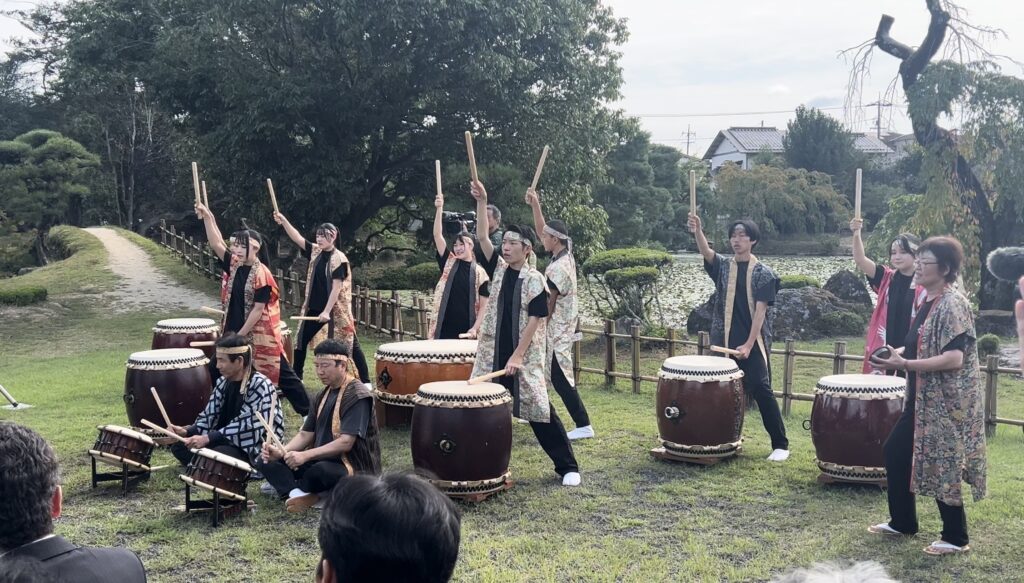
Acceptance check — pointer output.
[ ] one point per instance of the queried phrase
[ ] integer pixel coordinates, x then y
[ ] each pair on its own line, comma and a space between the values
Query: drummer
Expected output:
338, 439
228, 424
513, 336
745, 290
328, 295
460, 297
251, 305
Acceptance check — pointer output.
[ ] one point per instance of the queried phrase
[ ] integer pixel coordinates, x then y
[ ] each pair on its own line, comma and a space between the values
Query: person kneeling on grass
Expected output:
339, 437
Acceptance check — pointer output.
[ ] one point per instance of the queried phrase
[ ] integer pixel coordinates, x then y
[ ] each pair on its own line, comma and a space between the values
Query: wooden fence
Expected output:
384, 314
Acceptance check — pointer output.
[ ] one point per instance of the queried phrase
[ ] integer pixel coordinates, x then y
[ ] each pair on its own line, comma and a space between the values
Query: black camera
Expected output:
454, 223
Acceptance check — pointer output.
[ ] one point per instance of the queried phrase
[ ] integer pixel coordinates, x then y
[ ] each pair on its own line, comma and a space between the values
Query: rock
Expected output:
699, 319
998, 322
849, 287
808, 313
624, 325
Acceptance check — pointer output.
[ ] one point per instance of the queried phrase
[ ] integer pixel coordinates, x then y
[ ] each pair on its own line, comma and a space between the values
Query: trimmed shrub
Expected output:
842, 323
799, 281
423, 276
23, 296
988, 344
604, 261
620, 280
391, 279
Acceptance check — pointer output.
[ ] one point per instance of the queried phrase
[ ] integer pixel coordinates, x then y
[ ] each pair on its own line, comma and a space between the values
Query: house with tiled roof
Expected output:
740, 144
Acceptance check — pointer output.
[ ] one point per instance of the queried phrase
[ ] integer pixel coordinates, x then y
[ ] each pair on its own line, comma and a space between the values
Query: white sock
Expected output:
571, 479
295, 493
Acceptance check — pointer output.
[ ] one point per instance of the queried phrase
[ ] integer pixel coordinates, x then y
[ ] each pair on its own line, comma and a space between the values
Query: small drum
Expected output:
286, 339
462, 436
181, 378
117, 445
402, 367
180, 332
700, 406
217, 473
851, 418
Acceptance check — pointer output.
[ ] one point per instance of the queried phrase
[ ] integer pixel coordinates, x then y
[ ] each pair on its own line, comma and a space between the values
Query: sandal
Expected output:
939, 548
884, 528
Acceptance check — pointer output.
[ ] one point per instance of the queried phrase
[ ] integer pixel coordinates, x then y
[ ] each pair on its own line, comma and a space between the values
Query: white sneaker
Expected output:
266, 488
779, 455
571, 479
585, 432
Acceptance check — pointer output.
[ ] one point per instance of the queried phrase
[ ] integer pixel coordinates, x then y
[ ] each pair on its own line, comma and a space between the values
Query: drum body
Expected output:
218, 473
181, 378
180, 332
462, 436
700, 406
286, 339
402, 367
851, 418
117, 445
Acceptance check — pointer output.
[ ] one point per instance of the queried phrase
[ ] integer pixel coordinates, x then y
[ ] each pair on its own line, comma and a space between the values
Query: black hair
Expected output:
948, 252
559, 226
327, 227
497, 214
908, 243
396, 527
333, 347
244, 236
28, 479
232, 340
749, 227
466, 236
526, 231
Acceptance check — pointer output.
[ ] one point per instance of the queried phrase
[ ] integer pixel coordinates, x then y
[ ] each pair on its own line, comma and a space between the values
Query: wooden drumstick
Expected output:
195, 180
486, 377
201, 343
213, 311
472, 157
306, 318
856, 196
166, 432
540, 167
693, 191
725, 350
270, 432
437, 176
160, 405
206, 199
467, 335
273, 197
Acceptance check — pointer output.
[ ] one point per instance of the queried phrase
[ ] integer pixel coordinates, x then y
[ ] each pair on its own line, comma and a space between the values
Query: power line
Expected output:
738, 112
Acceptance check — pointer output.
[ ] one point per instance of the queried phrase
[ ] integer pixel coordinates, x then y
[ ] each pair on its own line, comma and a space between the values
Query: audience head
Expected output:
862, 572
30, 495
493, 218
938, 259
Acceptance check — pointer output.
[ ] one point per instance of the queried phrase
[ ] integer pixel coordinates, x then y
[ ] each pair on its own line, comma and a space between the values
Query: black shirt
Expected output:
459, 315
901, 305
910, 350
742, 319
236, 305
538, 307
354, 422
320, 287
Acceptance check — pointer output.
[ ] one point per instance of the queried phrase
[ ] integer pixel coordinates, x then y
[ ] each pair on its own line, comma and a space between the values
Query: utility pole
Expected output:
688, 135
878, 120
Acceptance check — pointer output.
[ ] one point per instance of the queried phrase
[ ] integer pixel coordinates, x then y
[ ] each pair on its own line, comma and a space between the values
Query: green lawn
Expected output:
634, 518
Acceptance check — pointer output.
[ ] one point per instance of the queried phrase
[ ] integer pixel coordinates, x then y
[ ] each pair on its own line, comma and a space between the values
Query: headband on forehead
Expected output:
331, 357
233, 349
556, 234
514, 236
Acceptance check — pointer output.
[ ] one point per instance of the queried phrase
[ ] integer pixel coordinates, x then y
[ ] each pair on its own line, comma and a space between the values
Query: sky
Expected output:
700, 66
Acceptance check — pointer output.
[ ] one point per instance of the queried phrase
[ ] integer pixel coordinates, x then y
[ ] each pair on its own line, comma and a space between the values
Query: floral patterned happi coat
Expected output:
530, 395
265, 336
442, 292
342, 324
563, 326
758, 275
949, 422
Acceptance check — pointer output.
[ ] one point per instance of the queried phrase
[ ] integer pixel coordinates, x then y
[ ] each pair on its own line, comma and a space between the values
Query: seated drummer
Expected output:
338, 439
228, 424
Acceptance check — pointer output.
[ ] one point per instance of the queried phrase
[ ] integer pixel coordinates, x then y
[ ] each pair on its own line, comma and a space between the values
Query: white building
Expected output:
739, 145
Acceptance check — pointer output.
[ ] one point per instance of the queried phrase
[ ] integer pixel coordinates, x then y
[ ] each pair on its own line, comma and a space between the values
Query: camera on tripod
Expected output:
454, 223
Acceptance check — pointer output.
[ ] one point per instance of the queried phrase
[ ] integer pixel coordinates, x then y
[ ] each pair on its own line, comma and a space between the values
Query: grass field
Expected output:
634, 518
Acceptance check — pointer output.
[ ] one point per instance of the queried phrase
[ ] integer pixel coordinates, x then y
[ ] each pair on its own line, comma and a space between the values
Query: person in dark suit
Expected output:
30, 498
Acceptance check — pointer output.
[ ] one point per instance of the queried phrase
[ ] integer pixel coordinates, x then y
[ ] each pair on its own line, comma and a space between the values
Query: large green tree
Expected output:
818, 142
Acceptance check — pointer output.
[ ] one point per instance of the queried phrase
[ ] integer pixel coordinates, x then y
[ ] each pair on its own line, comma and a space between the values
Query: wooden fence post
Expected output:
671, 342
379, 311
609, 352
838, 364
991, 386
174, 242
577, 361
421, 319
703, 342
396, 315
634, 338
788, 366
364, 299
163, 232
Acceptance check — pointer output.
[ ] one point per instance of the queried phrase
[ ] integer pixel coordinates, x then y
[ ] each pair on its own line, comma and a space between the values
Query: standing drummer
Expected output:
745, 290
513, 336
339, 437
228, 424
460, 296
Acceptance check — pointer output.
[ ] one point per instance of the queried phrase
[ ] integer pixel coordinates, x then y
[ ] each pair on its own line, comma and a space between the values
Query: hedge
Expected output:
842, 323
23, 296
618, 279
988, 344
606, 261
799, 281
423, 276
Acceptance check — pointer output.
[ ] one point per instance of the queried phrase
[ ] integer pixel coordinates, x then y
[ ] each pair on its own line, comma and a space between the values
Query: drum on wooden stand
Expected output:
181, 332
851, 418
462, 437
127, 450
181, 378
402, 367
699, 406
223, 475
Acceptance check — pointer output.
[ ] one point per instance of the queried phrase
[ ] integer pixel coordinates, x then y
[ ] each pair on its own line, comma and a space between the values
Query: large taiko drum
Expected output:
462, 436
219, 473
700, 406
181, 378
181, 332
851, 418
118, 445
402, 367
286, 339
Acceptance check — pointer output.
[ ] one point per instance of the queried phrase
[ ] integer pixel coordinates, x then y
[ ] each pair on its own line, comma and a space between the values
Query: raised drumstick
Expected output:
725, 350
206, 199
166, 432
472, 157
540, 167
195, 180
160, 405
273, 197
856, 196
693, 191
437, 176
486, 377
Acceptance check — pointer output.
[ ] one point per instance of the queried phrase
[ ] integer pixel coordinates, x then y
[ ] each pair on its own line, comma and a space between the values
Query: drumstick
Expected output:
270, 432
465, 335
195, 180
693, 191
486, 377
273, 197
472, 157
201, 343
206, 199
725, 350
166, 432
213, 311
160, 405
540, 167
856, 196
437, 176
306, 318
8, 397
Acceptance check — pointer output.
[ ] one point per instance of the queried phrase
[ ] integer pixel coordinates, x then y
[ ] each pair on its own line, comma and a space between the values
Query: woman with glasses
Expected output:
939, 440
898, 298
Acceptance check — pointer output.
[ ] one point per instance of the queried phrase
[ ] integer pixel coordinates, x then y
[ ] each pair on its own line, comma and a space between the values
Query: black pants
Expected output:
292, 388
184, 454
314, 477
308, 331
552, 437
569, 394
899, 455
757, 381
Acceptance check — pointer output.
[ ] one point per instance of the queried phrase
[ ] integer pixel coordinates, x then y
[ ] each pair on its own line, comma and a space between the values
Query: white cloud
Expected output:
779, 89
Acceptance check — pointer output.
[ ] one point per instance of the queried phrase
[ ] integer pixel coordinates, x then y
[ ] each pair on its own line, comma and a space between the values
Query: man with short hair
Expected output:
397, 528
30, 498
494, 231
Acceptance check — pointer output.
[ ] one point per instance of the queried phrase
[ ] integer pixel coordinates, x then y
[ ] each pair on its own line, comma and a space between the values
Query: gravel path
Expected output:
141, 284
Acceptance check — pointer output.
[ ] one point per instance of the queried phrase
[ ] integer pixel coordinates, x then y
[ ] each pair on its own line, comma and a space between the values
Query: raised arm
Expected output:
482, 220
439, 242
863, 263
291, 231
213, 235
694, 224
538, 217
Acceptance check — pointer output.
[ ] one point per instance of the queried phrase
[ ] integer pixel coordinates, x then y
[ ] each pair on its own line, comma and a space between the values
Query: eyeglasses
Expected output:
922, 263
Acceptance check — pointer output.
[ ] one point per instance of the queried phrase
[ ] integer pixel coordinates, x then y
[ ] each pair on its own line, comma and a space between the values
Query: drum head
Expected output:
224, 459
126, 432
863, 384
461, 394
700, 367
428, 351
186, 325
167, 358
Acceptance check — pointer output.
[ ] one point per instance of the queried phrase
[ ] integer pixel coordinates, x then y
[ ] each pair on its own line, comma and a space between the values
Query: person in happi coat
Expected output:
328, 295
563, 319
742, 318
228, 424
339, 437
939, 441
513, 336
460, 296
